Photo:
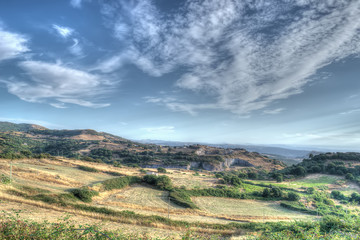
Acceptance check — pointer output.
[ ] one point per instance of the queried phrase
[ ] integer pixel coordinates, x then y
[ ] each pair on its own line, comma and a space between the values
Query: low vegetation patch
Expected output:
119, 183
84, 194
87, 169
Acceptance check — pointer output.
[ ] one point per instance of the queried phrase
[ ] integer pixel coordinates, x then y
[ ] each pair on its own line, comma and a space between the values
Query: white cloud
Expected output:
59, 85
111, 64
76, 48
12, 45
274, 111
243, 62
76, 3
64, 32
350, 111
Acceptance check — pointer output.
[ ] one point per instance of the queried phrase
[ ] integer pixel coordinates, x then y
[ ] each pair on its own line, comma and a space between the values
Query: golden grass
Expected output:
103, 217
247, 210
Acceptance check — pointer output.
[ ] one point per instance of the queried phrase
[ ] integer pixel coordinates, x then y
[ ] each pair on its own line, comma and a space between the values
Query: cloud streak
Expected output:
12, 45
64, 32
59, 85
243, 55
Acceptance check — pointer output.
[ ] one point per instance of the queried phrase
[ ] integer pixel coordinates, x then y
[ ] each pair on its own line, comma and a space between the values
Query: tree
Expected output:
266, 193
349, 176
161, 170
279, 178
299, 171
293, 196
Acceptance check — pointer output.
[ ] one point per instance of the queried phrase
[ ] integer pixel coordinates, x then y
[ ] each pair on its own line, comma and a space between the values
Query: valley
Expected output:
189, 192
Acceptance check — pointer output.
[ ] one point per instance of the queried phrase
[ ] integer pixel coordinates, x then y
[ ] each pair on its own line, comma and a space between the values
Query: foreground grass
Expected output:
330, 227
13, 227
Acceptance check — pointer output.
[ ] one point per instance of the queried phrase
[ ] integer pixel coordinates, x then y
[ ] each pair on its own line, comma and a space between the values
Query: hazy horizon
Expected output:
235, 72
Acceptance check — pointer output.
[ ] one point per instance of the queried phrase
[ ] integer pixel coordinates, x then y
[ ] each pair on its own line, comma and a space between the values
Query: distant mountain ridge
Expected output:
33, 141
21, 127
268, 150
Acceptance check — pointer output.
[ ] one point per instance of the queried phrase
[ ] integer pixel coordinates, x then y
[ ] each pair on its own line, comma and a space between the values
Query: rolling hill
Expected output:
28, 140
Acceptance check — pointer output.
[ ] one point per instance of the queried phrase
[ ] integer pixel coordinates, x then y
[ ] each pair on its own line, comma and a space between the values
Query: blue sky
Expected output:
261, 72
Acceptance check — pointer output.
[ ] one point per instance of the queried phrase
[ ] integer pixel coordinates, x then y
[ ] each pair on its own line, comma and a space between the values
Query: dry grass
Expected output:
39, 214
190, 181
112, 221
251, 210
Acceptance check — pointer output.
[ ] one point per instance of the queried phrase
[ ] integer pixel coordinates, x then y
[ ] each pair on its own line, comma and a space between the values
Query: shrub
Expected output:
279, 178
182, 198
293, 196
84, 194
87, 169
161, 170
5, 179
118, 183
349, 176
162, 182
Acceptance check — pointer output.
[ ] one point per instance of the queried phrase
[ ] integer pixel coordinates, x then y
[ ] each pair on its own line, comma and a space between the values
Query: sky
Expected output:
242, 72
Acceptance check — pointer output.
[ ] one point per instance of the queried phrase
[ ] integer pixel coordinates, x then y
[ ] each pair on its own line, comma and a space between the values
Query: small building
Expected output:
152, 173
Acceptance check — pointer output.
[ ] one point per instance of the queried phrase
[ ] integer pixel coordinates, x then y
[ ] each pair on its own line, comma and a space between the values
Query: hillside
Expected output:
26, 141
23, 127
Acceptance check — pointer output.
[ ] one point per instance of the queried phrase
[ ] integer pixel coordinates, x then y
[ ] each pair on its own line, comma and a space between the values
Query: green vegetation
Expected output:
161, 182
182, 198
328, 228
119, 183
88, 169
84, 194
5, 179
328, 163
161, 170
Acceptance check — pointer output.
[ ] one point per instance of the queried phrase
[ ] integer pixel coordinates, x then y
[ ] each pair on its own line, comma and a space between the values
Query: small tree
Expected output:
161, 170
349, 176
293, 196
279, 178
266, 193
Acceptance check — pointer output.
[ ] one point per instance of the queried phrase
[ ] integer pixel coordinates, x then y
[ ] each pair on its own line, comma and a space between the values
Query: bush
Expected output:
118, 183
87, 169
293, 196
182, 198
5, 179
162, 182
84, 194
161, 170
279, 178
349, 176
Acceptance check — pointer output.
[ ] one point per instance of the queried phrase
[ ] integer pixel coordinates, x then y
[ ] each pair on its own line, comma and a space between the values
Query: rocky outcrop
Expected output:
228, 163
165, 166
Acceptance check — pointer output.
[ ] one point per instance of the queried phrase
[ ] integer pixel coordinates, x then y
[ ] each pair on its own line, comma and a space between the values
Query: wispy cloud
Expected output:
76, 3
59, 85
350, 111
64, 32
76, 49
274, 111
12, 44
243, 55
70, 36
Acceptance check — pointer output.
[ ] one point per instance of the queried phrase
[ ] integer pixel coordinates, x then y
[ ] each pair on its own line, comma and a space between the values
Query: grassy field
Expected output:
59, 176
253, 209
191, 180
313, 180
139, 195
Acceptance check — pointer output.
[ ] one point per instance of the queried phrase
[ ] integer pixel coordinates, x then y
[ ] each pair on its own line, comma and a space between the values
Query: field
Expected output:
317, 180
251, 209
59, 176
